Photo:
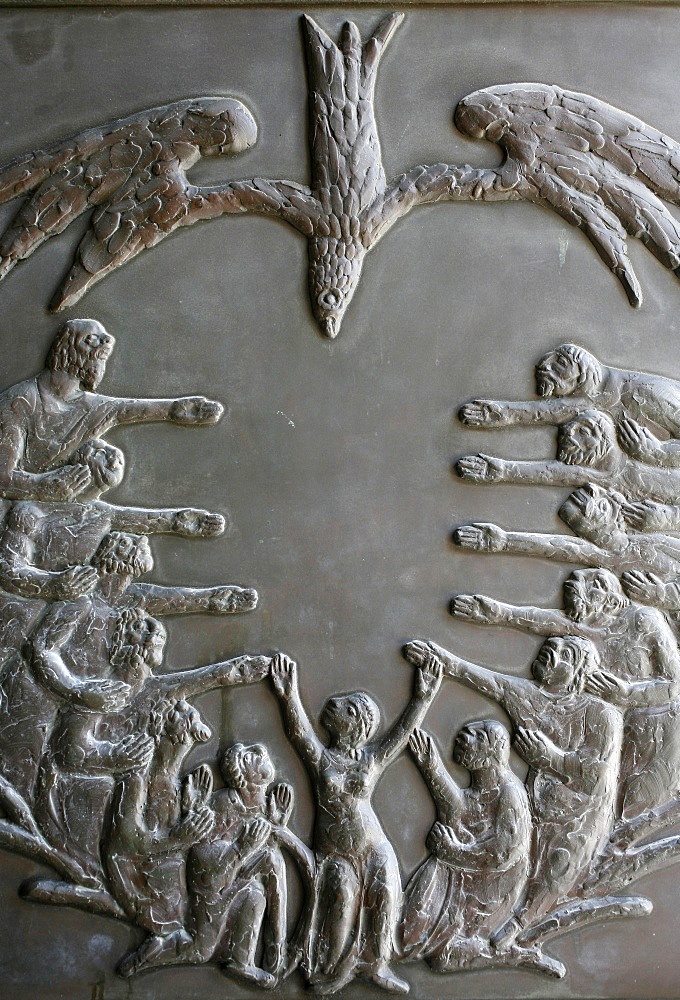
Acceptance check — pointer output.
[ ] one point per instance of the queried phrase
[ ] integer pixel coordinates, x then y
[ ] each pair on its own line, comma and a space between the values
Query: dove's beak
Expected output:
330, 326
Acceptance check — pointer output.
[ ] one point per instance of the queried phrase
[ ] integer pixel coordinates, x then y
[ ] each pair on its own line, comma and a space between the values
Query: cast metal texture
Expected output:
199, 857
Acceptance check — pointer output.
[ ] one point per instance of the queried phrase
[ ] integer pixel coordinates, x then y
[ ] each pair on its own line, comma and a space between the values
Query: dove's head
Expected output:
334, 272
481, 116
220, 125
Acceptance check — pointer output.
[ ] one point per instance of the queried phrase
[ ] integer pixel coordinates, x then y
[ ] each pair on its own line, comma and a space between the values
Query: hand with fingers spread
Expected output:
474, 608
481, 537
481, 413
280, 804
283, 672
480, 469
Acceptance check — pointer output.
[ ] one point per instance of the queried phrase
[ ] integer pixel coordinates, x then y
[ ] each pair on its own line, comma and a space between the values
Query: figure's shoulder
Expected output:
21, 396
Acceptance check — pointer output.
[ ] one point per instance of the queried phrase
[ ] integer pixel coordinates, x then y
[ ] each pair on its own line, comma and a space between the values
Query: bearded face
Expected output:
585, 441
92, 348
557, 374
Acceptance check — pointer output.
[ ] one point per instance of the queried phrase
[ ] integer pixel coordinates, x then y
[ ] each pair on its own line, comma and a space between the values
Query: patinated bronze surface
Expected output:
329, 777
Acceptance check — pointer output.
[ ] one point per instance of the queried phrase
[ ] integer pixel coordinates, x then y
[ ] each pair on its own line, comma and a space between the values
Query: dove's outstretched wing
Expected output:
602, 169
132, 175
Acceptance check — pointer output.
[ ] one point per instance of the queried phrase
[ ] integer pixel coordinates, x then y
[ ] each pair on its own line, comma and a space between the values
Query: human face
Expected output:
471, 748
552, 671
256, 765
94, 345
107, 466
341, 716
557, 375
154, 639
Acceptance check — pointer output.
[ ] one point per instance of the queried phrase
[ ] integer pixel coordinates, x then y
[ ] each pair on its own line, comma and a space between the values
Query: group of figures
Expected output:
94, 735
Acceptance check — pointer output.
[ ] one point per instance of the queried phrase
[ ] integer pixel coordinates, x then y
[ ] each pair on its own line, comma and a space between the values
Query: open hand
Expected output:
481, 537
422, 747
646, 588
65, 483
480, 469
104, 696
481, 413
428, 676
474, 608
533, 747
280, 804
283, 672
635, 439
75, 582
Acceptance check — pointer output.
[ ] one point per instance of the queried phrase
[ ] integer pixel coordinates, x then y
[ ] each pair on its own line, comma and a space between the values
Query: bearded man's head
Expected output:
81, 349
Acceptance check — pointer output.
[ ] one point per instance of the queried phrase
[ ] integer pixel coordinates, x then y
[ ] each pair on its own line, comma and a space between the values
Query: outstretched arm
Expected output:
516, 694
564, 548
446, 794
226, 600
190, 522
502, 413
488, 469
230, 673
485, 611
299, 729
111, 411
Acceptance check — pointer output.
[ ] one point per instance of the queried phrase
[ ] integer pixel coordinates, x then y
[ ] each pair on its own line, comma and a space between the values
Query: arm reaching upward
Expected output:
446, 794
299, 729
426, 684
515, 694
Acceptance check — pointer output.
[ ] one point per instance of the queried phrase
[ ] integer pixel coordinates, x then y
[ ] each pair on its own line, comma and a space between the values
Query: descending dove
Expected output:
600, 168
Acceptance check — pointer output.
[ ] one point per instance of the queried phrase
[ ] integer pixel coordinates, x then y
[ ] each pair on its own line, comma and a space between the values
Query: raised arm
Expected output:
225, 600
485, 611
446, 794
524, 413
564, 548
190, 522
549, 472
516, 694
427, 680
229, 673
299, 729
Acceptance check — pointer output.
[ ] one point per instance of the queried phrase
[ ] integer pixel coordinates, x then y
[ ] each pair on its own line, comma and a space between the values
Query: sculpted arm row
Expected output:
159, 600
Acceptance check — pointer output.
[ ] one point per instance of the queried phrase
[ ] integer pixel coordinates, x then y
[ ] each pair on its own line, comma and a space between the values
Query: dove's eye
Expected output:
329, 299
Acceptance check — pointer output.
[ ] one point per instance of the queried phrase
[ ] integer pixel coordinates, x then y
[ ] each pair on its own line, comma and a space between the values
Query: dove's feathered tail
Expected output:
347, 171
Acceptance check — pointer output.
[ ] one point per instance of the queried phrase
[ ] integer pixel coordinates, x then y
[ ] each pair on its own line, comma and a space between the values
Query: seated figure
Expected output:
236, 879
480, 847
